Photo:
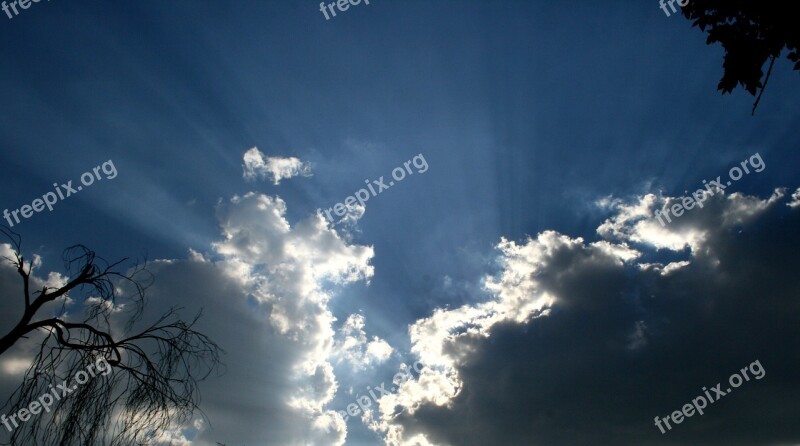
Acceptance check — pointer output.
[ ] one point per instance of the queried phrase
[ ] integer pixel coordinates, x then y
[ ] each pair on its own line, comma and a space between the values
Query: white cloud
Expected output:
258, 166
352, 213
284, 270
795, 199
15, 366
742, 208
353, 346
636, 223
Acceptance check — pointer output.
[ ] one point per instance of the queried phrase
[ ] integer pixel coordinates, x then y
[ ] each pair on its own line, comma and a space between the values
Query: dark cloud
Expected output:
623, 344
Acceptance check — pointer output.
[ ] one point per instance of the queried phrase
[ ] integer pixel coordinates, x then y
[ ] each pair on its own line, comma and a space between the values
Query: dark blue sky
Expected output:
527, 113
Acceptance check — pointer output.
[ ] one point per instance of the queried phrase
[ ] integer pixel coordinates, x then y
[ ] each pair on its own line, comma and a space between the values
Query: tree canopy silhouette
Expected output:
154, 370
751, 32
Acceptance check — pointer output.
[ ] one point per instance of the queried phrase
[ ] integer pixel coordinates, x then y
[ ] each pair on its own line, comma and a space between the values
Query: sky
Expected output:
515, 276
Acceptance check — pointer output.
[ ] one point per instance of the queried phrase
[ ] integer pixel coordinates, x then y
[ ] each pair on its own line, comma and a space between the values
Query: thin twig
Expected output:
758, 99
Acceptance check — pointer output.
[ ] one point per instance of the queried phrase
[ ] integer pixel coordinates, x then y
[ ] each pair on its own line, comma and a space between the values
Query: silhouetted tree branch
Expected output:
154, 372
750, 32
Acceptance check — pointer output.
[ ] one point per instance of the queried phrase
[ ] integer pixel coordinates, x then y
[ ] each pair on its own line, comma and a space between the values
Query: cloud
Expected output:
257, 166
265, 287
635, 222
352, 213
281, 271
15, 366
795, 199
578, 342
353, 346
585, 343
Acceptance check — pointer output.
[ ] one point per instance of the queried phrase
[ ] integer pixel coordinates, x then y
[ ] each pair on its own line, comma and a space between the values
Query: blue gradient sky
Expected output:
527, 113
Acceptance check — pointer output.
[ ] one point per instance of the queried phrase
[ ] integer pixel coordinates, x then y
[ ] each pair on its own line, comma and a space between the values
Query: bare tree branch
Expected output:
155, 371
